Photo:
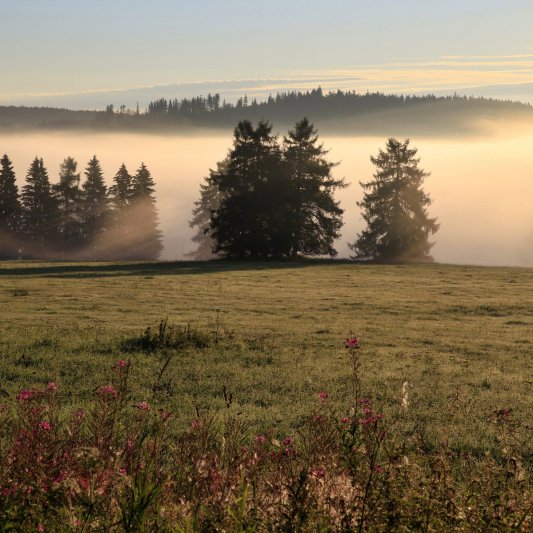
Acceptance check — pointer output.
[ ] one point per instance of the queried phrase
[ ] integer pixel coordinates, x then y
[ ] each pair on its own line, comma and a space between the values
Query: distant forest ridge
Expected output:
345, 112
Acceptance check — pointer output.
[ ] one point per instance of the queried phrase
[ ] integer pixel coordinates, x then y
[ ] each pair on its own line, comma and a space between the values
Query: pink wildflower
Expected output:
40, 528
108, 390
351, 342
121, 363
25, 395
260, 439
288, 441
319, 473
346, 420
52, 387
323, 396
378, 469
143, 406
166, 415
45, 426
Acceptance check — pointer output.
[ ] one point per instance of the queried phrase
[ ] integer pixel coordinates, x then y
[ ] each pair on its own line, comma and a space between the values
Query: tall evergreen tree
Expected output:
10, 210
95, 209
314, 217
69, 196
210, 199
244, 225
120, 229
40, 212
146, 237
394, 208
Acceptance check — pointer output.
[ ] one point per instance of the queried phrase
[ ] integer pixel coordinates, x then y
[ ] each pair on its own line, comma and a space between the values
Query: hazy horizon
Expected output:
482, 190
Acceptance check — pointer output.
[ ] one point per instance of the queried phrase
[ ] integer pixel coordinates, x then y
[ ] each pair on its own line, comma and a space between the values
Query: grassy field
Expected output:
461, 336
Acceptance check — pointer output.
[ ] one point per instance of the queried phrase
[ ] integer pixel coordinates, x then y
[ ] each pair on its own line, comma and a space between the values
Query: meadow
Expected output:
263, 341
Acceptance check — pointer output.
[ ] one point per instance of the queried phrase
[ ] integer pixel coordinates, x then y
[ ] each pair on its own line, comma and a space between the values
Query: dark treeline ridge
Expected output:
75, 219
343, 111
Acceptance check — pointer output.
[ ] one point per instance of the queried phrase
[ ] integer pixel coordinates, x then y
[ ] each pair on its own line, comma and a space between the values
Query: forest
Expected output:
343, 112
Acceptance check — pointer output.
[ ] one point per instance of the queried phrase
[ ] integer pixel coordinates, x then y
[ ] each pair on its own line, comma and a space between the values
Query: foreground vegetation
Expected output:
252, 367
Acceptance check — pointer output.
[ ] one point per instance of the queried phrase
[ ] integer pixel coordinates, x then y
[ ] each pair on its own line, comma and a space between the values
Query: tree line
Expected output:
269, 198
275, 199
335, 108
75, 219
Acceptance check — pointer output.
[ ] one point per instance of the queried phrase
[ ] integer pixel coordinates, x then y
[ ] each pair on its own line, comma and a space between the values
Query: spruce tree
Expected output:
40, 212
146, 236
69, 196
313, 215
210, 199
394, 208
95, 209
119, 241
10, 210
245, 224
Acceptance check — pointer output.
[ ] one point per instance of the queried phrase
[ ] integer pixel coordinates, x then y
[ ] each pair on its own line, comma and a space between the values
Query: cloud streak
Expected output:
447, 73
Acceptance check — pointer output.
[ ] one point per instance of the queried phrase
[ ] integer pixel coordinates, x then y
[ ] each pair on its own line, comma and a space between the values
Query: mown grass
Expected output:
461, 336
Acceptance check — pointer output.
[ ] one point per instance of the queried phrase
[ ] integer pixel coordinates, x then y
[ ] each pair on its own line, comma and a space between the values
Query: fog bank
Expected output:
482, 188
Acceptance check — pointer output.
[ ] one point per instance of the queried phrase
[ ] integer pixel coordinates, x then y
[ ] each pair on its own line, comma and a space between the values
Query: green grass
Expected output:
461, 336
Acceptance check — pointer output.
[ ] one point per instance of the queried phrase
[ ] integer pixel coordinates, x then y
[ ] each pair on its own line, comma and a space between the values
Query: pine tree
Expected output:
245, 224
120, 228
146, 238
69, 196
10, 210
94, 209
394, 208
40, 212
314, 217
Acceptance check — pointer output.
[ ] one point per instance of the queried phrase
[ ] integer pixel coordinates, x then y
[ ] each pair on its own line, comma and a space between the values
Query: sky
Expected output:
88, 54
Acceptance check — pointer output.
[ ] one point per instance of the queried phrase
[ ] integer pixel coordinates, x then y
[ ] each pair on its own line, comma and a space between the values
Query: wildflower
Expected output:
319, 473
166, 415
52, 387
25, 395
288, 441
346, 420
351, 343
80, 414
45, 426
378, 469
323, 396
143, 406
108, 390
260, 439
121, 363
122, 471
40, 528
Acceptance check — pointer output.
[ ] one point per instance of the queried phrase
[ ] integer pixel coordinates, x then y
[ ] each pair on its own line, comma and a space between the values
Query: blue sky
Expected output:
87, 53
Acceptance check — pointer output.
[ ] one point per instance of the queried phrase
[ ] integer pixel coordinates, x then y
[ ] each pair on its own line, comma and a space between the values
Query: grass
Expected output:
461, 336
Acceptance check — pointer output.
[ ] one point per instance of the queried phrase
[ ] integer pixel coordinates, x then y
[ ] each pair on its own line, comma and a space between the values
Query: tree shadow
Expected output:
175, 268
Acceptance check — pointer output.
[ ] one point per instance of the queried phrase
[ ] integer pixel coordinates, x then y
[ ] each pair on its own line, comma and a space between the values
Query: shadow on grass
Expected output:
99, 270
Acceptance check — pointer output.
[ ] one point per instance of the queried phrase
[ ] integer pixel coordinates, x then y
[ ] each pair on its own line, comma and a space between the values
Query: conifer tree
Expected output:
69, 196
10, 210
40, 212
394, 208
95, 209
146, 236
313, 215
121, 231
245, 224
210, 199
